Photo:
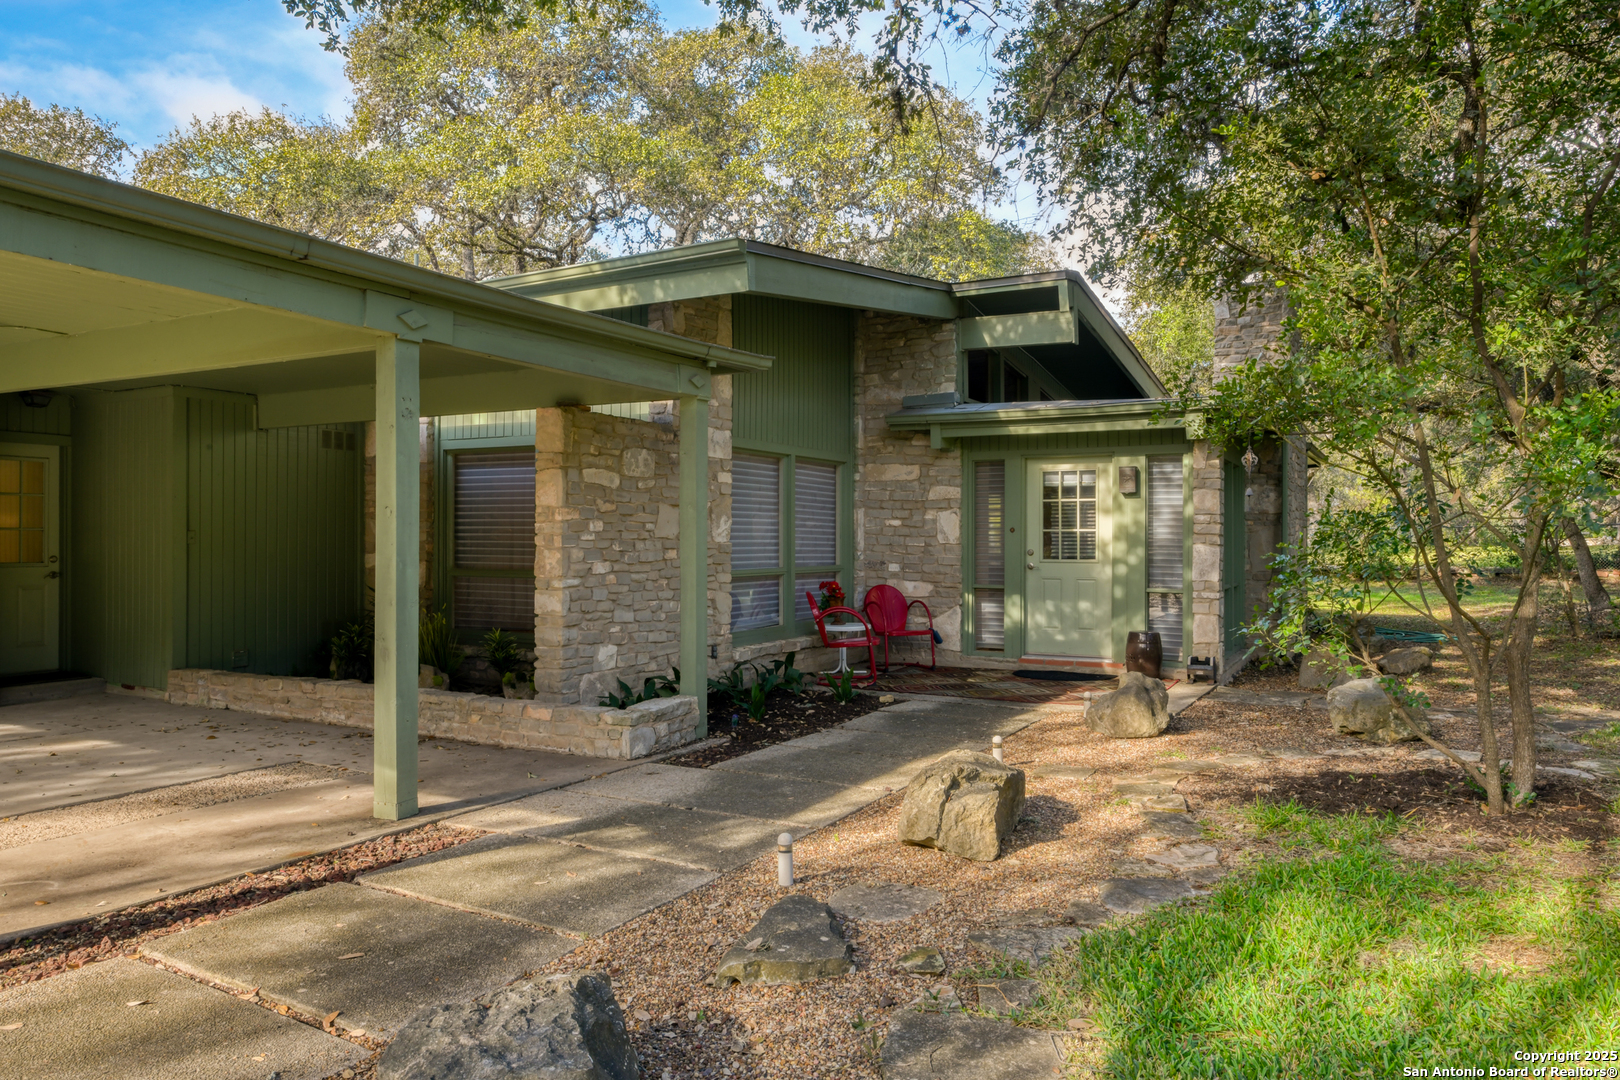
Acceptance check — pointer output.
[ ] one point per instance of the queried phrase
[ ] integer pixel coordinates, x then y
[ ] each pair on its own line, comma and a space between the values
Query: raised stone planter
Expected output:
588, 730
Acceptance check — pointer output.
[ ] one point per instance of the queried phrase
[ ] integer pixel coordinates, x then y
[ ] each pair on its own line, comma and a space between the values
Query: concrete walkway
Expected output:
558, 865
74, 771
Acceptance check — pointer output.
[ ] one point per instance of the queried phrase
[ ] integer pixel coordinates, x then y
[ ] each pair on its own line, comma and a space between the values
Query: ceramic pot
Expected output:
1144, 652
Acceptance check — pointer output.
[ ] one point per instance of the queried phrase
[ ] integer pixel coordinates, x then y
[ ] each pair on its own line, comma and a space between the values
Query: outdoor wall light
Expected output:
36, 399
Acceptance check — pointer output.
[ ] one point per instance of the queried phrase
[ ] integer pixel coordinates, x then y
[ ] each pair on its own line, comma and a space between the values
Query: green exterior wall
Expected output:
804, 406
273, 537
1129, 546
127, 555
200, 540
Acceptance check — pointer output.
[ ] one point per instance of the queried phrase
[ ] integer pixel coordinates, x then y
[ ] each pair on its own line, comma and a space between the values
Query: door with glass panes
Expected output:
1068, 591
30, 559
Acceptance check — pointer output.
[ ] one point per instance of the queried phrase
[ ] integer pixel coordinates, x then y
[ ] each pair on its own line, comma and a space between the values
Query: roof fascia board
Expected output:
1045, 417
1015, 331
795, 280
270, 263
1113, 336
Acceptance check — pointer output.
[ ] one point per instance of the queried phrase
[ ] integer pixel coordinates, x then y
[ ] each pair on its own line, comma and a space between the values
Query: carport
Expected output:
136, 307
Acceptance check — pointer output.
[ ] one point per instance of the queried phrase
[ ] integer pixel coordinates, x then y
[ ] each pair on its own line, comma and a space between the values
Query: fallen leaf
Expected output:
570, 873
9, 1027
261, 1057
41, 903
141, 1001
545, 882
356, 1032
351, 956
642, 1014
331, 1016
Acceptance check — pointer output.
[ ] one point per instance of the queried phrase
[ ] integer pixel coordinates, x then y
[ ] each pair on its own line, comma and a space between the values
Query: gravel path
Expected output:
105, 813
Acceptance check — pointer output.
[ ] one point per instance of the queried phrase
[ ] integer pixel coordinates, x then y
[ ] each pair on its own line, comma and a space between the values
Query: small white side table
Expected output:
843, 654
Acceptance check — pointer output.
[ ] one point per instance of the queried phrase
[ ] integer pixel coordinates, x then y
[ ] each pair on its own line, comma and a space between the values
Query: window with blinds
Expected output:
492, 536
989, 554
815, 530
756, 541
1166, 513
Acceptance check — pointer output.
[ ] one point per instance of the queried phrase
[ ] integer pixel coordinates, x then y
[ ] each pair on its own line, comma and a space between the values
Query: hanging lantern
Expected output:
1250, 459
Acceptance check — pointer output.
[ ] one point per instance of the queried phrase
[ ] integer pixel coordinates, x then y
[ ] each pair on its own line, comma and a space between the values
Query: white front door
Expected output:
30, 558
1067, 579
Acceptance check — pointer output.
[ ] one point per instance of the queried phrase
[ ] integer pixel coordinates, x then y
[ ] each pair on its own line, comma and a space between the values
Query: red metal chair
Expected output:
889, 613
866, 640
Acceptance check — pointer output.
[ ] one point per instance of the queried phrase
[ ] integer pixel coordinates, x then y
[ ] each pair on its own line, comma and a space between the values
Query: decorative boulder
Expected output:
1362, 708
1406, 661
1321, 671
965, 803
1139, 709
568, 1027
796, 940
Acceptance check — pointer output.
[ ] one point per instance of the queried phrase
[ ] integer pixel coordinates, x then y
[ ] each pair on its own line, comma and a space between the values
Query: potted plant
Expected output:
832, 595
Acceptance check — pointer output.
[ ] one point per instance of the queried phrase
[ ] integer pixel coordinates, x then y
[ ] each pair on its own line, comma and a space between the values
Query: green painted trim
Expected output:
1012, 331
180, 513
398, 536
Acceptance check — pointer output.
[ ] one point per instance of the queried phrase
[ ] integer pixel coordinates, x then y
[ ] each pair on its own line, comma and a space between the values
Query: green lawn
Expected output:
1341, 959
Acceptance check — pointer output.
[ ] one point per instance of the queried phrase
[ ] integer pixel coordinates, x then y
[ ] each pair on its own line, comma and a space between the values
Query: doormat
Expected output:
1062, 676
987, 684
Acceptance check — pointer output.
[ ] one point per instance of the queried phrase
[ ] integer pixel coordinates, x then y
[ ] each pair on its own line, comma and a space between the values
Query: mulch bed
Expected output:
122, 933
1435, 797
787, 716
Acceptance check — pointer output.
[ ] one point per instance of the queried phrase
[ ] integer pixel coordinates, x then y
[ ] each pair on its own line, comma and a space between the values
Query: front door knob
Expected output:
1029, 566
54, 574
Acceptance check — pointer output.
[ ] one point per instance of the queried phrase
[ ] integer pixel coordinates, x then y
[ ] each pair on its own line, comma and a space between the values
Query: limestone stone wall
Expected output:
588, 730
1245, 333
908, 496
1204, 581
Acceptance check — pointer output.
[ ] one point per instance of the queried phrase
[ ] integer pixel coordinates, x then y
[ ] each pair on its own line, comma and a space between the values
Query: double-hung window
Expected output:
784, 540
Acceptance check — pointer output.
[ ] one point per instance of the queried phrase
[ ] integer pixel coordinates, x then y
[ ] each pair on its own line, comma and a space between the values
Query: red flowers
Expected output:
832, 594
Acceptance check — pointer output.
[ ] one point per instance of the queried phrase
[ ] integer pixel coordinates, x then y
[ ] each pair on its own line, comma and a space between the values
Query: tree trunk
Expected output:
1521, 639
1598, 603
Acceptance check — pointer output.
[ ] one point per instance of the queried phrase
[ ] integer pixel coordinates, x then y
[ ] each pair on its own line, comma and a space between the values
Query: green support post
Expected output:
694, 554
399, 366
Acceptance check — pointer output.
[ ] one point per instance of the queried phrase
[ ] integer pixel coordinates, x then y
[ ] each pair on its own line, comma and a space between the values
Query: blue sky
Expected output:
151, 66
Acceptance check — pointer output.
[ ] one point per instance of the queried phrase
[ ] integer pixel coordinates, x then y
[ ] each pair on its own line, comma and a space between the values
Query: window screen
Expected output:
1166, 512
989, 554
493, 537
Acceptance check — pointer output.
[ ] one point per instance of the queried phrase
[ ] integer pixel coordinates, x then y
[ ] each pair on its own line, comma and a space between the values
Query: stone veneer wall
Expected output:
588, 730
908, 496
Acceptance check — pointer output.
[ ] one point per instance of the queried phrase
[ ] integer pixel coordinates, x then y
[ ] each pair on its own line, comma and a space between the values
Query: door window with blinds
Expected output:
1069, 515
989, 555
784, 537
1166, 513
492, 540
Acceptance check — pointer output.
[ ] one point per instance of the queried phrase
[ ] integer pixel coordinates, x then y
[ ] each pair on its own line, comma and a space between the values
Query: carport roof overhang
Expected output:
107, 286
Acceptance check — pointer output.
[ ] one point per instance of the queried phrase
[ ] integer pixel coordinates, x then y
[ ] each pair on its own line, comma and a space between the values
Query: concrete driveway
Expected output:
108, 800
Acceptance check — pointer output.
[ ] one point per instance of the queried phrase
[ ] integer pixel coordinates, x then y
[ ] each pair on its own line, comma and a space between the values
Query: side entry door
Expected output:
1067, 560
30, 558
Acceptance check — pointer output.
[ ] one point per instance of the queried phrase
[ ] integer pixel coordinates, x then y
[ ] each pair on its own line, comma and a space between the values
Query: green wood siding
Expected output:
802, 408
805, 402
124, 486
469, 427
273, 538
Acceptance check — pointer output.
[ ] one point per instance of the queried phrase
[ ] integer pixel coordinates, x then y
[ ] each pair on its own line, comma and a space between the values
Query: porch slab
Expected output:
373, 956
547, 883
699, 839
776, 798
83, 1024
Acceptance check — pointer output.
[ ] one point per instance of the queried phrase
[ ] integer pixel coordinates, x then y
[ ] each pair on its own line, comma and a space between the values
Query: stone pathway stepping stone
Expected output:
1159, 825
1007, 997
544, 882
882, 903
1132, 896
927, 1046
133, 1021
1291, 753
695, 838
1087, 914
1133, 867
1063, 772
775, 798
923, 960
1579, 774
1192, 765
1426, 754
1137, 790
1186, 856
1168, 804
1030, 945
796, 940
1239, 761
373, 956
1602, 767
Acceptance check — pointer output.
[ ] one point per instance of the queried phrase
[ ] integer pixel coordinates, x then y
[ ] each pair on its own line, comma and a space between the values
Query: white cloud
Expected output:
183, 94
